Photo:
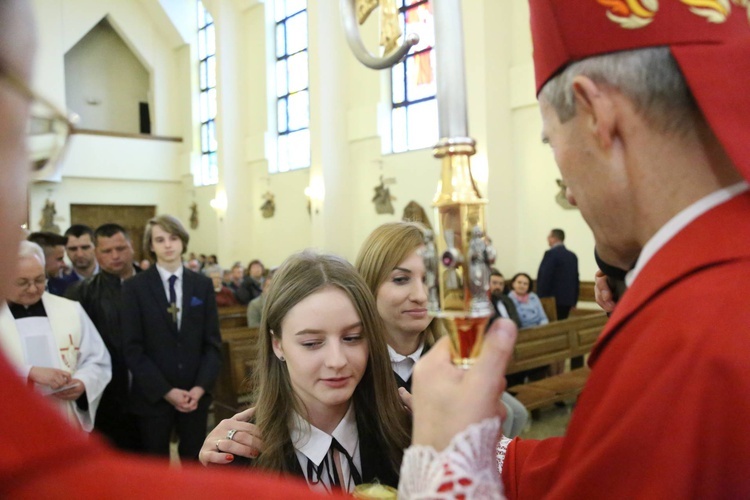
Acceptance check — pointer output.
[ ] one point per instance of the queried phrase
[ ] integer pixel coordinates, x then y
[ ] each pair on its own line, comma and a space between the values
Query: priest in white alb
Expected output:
53, 343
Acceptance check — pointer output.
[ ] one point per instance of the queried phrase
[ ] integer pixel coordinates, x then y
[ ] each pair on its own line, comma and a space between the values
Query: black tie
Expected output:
314, 473
173, 295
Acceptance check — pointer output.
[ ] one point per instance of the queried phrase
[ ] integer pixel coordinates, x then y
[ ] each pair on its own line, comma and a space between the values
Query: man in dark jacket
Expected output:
558, 274
100, 296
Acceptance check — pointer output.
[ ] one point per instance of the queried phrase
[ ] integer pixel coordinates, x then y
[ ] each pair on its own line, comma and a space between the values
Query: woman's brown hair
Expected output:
384, 249
376, 401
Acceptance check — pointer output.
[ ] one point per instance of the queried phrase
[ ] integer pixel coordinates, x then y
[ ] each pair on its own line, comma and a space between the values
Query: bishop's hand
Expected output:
447, 398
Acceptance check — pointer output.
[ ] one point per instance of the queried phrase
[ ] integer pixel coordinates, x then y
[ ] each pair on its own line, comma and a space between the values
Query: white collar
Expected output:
397, 358
164, 274
315, 444
679, 222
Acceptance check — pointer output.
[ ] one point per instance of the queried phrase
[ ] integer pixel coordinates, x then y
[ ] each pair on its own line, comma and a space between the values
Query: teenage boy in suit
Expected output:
172, 343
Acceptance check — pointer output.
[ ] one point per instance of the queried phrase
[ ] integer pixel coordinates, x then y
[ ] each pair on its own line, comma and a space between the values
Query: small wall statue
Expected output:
194, 221
47, 223
268, 208
560, 197
413, 212
383, 198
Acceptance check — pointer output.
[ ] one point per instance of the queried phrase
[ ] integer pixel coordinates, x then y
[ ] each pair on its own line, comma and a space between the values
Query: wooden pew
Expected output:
238, 351
547, 344
232, 316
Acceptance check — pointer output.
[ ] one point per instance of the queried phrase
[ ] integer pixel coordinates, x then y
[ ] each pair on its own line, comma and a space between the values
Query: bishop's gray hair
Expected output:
649, 77
30, 249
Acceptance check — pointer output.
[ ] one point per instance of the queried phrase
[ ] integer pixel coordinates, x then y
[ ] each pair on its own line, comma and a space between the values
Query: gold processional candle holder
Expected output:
458, 260
458, 256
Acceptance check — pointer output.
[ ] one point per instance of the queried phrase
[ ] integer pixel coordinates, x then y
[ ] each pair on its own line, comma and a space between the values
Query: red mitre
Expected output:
710, 39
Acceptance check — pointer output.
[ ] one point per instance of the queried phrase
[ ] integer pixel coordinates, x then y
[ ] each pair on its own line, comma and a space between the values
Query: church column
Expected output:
331, 219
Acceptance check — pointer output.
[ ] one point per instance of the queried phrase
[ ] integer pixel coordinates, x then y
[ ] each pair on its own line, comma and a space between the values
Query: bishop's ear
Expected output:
595, 104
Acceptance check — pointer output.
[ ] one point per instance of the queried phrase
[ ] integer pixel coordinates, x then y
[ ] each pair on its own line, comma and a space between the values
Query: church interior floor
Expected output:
552, 421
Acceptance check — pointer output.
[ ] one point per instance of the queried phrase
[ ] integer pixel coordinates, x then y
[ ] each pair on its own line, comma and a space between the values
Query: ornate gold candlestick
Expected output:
458, 257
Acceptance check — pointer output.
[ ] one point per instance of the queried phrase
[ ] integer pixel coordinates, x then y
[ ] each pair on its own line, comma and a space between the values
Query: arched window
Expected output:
414, 117
207, 172
292, 86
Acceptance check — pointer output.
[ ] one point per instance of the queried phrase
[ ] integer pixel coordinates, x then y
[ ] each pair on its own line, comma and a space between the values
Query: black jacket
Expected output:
100, 297
248, 290
558, 276
160, 356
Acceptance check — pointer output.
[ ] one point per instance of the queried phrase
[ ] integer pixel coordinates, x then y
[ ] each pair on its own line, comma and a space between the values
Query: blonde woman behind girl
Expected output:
391, 264
327, 405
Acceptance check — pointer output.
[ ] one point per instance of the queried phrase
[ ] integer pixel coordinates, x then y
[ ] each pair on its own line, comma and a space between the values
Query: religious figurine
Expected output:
47, 223
382, 198
479, 271
413, 212
429, 255
194, 216
451, 259
268, 208
390, 30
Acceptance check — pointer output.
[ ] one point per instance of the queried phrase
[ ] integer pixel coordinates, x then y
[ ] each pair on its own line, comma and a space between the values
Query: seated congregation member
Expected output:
172, 343
53, 343
527, 303
255, 307
252, 285
326, 401
54, 255
224, 296
101, 298
504, 306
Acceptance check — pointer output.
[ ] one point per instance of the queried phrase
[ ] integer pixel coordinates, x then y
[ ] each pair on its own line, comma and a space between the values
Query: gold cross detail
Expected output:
173, 310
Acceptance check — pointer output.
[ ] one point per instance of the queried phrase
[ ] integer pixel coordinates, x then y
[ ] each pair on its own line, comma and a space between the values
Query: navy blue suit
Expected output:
161, 357
558, 278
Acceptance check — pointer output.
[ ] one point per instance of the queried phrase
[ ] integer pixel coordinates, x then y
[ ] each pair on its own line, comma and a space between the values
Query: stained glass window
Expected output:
207, 172
414, 118
292, 86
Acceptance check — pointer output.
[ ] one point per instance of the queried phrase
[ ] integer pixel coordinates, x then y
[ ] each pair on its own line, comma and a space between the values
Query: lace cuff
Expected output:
465, 469
502, 448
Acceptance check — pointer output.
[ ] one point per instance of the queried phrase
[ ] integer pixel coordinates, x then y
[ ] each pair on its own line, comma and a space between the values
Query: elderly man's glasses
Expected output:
39, 282
48, 128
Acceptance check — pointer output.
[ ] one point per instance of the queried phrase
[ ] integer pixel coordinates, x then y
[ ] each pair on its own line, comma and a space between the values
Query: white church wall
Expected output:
105, 83
534, 166
112, 170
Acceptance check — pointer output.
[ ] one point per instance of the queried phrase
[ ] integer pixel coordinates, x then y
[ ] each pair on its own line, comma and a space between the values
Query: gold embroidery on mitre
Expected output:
715, 11
631, 14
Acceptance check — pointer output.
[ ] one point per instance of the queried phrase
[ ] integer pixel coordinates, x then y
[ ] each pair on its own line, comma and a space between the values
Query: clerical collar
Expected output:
19, 311
315, 444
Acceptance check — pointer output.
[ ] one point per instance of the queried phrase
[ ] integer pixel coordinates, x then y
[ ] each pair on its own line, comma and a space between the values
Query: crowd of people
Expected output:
631, 103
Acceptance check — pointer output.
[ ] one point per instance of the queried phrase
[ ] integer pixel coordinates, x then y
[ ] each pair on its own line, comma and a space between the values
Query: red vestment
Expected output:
44, 457
665, 409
